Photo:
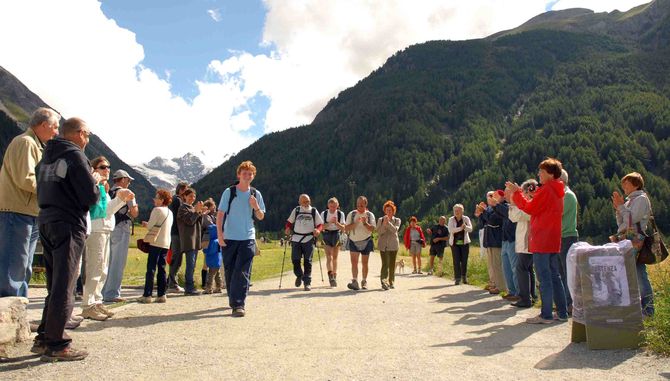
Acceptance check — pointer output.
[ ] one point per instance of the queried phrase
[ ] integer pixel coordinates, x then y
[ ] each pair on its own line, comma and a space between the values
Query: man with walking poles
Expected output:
305, 223
240, 204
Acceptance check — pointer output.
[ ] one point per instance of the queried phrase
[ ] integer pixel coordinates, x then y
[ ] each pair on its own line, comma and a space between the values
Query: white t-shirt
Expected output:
304, 223
326, 215
360, 232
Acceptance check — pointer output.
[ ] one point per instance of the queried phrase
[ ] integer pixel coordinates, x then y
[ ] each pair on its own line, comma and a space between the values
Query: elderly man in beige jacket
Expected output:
18, 202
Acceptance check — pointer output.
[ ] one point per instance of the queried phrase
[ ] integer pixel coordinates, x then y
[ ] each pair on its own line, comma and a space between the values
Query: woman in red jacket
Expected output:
545, 210
414, 241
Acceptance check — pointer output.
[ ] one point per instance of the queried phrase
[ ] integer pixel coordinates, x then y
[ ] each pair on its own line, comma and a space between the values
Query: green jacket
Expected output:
569, 221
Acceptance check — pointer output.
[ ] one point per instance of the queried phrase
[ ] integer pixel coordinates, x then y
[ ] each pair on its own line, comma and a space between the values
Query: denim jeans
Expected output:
299, 251
566, 242
189, 286
156, 259
551, 286
118, 255
510, 262
18, 237
238, 257
646, 292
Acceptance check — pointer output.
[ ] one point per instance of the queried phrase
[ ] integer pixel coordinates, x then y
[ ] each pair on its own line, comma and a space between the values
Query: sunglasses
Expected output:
103, 167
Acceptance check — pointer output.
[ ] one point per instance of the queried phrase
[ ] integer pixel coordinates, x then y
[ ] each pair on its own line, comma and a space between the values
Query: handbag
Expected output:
653, 249
144, 243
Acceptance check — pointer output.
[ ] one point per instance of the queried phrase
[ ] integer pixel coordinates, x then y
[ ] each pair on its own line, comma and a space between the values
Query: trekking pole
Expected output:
282, 264
318, 253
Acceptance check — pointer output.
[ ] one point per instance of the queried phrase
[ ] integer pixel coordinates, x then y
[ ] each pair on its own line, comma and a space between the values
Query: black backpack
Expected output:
233, 194
122, 214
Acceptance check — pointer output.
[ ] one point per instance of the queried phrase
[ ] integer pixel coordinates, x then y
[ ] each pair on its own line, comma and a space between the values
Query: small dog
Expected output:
400, 266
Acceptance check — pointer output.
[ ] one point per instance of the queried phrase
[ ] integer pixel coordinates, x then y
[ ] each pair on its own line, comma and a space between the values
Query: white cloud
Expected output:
215, 14
90, 67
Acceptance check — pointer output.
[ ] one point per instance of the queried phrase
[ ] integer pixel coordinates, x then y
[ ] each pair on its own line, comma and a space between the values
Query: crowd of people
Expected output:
83, 217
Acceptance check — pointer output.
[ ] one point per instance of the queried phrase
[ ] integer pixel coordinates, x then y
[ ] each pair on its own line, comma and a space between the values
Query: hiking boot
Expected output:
464, 280
217, 290
93, 314
457, 282
72, 323
161, 299
308, 287
298, 281
238, 312
66, 354
333, 282
538, 320
494, 291
414, 272
419, 272
115, 300
39, 347
192, 293
104, 310
391, 286
430, 272
385, 286
207, 292
353, 285
364, 284
521, 304
144, 299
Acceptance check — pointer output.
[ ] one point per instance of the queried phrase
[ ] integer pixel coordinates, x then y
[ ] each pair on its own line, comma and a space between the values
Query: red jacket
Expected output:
546, 212
407, 234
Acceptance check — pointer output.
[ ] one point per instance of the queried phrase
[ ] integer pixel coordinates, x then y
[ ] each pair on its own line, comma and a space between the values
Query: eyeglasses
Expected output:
103, 167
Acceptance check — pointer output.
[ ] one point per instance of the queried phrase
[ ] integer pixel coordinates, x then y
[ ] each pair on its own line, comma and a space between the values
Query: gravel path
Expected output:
425, 329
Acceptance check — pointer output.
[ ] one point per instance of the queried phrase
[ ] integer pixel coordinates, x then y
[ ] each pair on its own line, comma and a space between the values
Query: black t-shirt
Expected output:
439, 231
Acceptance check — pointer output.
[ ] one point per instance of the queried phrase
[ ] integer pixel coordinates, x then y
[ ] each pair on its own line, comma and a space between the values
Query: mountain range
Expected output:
166, 173
442, 122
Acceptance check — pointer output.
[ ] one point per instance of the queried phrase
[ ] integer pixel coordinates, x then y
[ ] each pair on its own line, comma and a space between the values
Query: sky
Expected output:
167, 77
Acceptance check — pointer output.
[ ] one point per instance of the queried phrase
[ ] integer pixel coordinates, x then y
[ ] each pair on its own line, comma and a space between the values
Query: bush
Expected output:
657, 329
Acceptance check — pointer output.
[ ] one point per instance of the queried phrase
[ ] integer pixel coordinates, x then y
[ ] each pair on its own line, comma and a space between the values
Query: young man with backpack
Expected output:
240, 204
305, 224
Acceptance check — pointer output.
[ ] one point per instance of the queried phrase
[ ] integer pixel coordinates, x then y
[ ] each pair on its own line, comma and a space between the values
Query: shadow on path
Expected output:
141, 321
500, 338
462, 297
579, 356
331, 294
20, 362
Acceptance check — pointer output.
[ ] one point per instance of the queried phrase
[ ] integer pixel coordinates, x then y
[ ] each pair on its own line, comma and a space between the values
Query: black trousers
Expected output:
63, 246
460, 254
526, 277
155, 260
304, 251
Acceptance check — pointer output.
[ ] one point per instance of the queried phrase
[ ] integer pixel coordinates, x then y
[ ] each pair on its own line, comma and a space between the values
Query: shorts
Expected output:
331, 238
437, 251
366, 245
415, 248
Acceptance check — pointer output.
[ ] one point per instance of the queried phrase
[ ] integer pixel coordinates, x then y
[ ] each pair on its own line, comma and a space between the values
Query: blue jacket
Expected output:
508, 227
213, 256
492, 223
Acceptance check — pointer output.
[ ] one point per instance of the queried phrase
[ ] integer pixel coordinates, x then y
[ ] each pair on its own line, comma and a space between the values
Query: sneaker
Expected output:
364, 284
176, 288
104, 310
414, 272
298, 281
66, 354
161, 299
521, 304
78, 298
419, 272
494, 291
334, 282
308, 287
218, 291
238, 312
538, 320
39, 347
430, 272
93, 314
192, 293
353, 285
72, 324
512, 298
115, 300
144, 299
385, 286
465, 280
457, 282
561, 319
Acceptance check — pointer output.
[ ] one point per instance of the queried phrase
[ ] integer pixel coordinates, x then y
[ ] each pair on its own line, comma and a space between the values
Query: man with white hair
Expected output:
18, 202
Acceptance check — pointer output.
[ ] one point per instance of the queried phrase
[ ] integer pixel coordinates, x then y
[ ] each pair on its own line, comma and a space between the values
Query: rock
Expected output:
14, 326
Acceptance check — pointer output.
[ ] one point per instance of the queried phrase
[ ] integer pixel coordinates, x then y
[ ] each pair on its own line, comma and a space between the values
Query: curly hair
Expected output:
387, 204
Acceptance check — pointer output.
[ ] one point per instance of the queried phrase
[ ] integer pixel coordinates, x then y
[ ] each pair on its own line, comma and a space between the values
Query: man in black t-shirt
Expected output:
438, 242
